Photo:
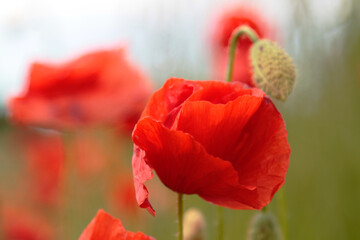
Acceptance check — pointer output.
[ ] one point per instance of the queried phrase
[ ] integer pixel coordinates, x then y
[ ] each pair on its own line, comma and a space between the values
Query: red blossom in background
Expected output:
101, 87
90, 155
44, 154
106, 227
20, 224
122, 194
228, 21
223, 141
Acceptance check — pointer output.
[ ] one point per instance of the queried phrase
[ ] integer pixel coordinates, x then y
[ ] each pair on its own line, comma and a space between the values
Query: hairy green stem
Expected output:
264, 209
236, 34
283, 215
180, 216
2, 228
220, 215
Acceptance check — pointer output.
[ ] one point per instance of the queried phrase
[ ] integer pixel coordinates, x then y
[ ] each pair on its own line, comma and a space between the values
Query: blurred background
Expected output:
172, 38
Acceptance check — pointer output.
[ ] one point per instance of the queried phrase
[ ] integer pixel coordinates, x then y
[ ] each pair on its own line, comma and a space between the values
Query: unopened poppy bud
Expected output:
264, 226
274, 71
194, 225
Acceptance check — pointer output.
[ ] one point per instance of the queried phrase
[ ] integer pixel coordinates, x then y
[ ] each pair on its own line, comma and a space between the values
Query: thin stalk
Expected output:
69, 217
283, 215
180, 216
220, 215
2, 228
264, 209
236, 34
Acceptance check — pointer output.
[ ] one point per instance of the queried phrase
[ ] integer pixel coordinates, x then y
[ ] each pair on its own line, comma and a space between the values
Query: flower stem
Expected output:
220, 215
239, 31
283, 215
180, 216
65, 184
68, 187
2, 228
264, 209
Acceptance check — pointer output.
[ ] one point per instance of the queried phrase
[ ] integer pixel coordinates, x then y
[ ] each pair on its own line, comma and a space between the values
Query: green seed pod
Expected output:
264, 226
194, 225
274, 71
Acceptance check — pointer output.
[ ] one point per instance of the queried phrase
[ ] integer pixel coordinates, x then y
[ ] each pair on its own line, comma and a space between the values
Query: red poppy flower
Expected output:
223, 141
44, 160
105, 227
122, 194
91, 158
22, 224
102, 87
224, 26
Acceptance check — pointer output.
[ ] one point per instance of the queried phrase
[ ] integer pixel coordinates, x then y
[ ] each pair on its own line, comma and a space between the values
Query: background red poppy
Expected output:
19, 223
102, 87
229, 19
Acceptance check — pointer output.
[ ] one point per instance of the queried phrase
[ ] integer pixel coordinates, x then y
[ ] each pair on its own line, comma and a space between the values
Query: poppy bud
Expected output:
194, 225
264, 226
274, 71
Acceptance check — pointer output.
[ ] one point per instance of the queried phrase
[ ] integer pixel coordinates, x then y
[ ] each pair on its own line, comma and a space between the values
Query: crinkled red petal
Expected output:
184, 166
106, 227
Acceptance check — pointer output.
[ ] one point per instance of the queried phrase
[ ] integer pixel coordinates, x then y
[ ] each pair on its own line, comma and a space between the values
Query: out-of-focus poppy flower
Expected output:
122, 197
102, 87
122, 194
105, 227
24, 225
223, 141
90, 155
44, 154
226, 23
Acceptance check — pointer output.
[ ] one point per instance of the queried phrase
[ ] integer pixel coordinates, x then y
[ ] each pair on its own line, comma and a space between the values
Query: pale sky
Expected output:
164, 36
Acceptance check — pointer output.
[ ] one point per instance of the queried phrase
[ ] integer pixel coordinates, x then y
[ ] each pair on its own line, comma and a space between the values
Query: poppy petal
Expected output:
262, 153
184, 166
106, 227
249, 132
218, 126
174, 92
142, 172
221, 92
